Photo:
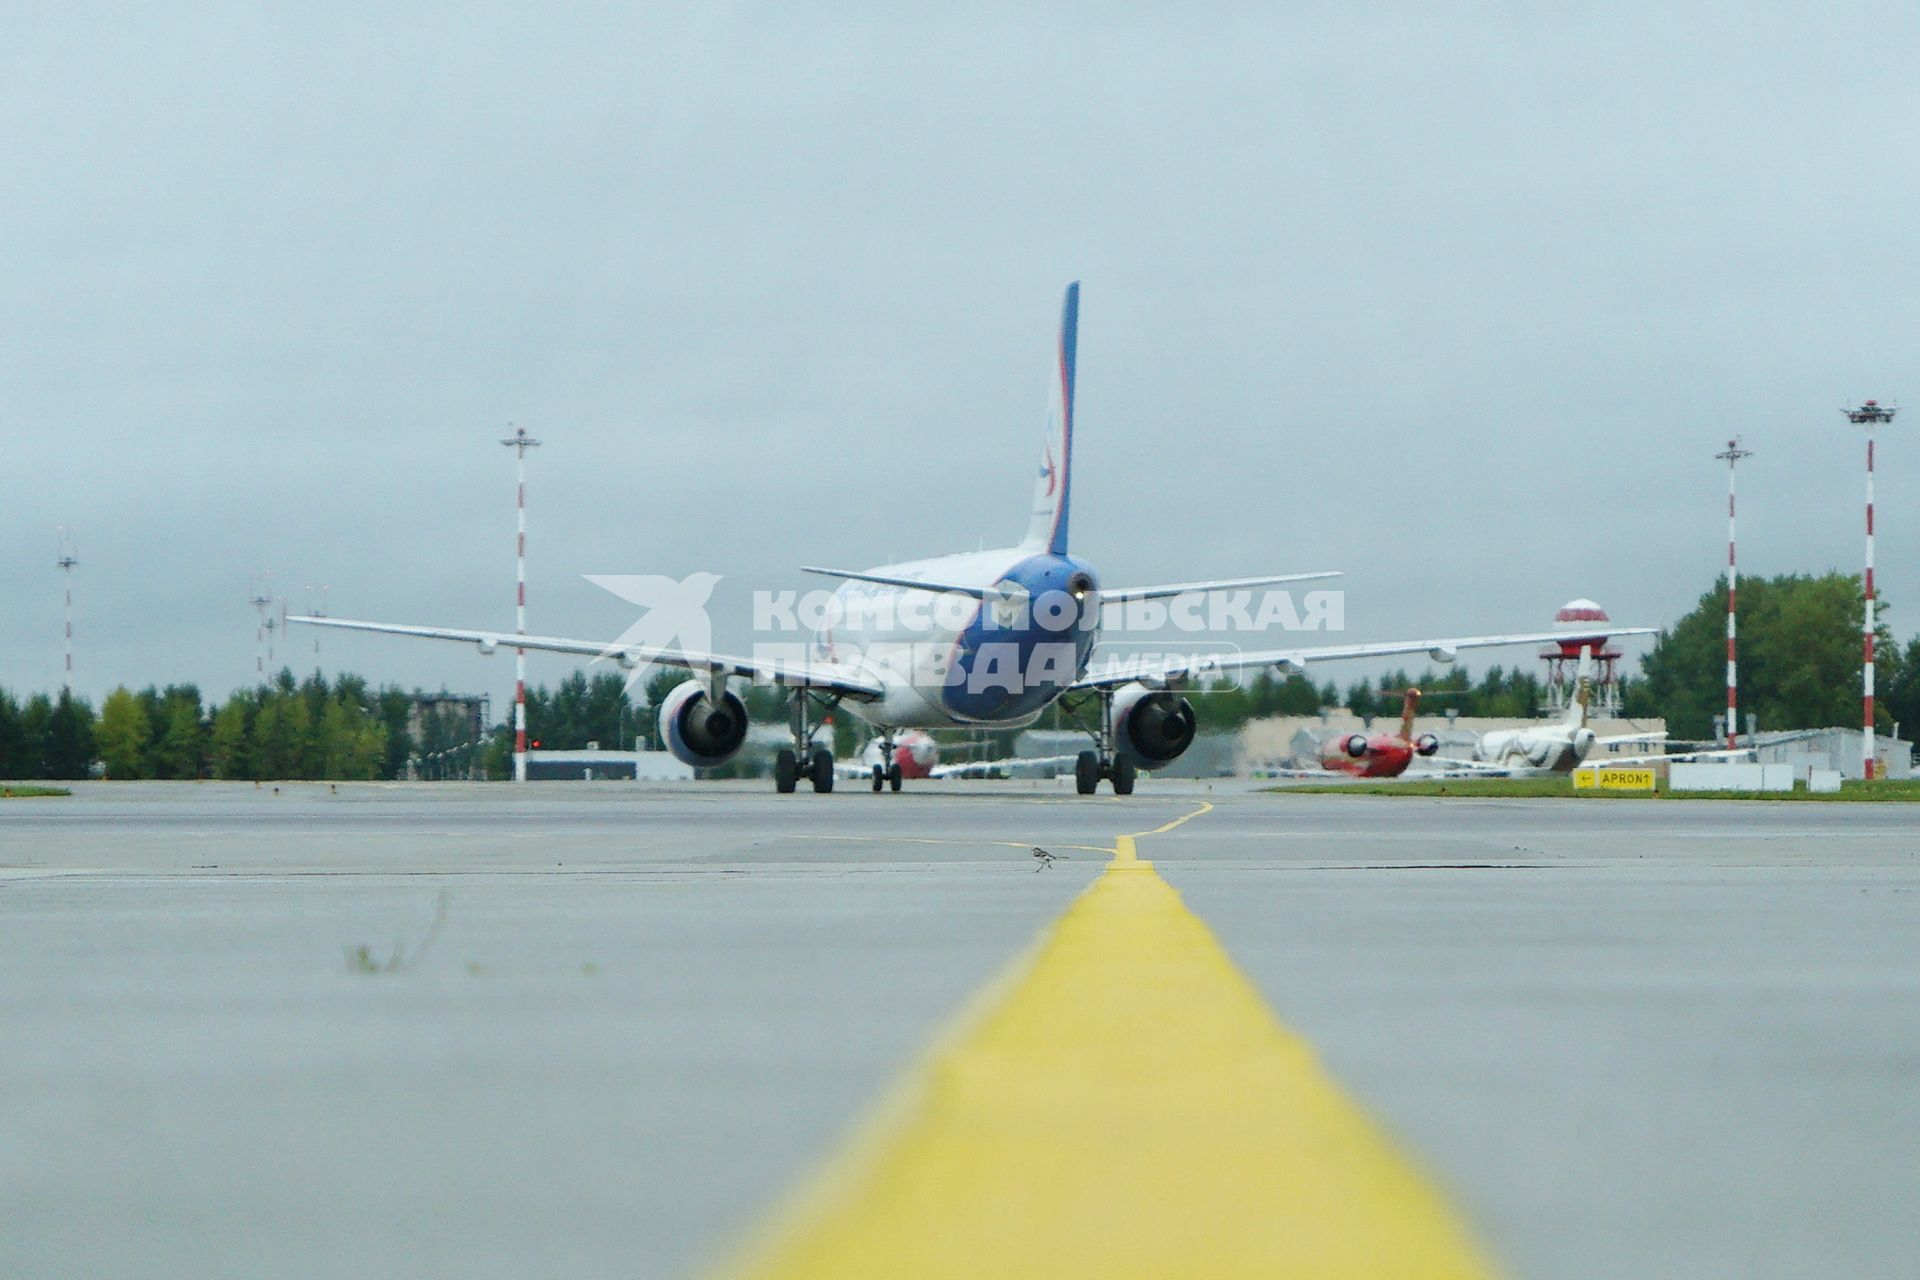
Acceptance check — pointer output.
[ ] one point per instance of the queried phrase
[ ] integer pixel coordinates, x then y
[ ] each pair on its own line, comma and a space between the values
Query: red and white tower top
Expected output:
1585, 625
1576, 618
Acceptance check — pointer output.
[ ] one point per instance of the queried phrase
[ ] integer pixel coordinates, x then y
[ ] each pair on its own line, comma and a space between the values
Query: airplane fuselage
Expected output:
946, 659
1540, 751
1382, 755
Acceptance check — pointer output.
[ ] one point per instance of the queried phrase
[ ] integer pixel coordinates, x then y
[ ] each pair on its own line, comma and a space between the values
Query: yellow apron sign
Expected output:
1613, 779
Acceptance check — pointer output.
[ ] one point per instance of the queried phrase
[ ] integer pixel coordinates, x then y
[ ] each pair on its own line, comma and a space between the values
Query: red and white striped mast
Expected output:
520, 442
68, 561
1868, 415
1732, 453
261, 599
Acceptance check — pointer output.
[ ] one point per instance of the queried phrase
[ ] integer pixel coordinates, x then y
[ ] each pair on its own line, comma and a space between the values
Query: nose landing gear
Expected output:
887, 773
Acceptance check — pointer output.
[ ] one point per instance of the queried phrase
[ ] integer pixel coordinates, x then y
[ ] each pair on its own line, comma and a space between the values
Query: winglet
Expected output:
1054, 487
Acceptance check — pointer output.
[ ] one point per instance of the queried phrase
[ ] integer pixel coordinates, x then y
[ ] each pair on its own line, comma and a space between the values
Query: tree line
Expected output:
283, 729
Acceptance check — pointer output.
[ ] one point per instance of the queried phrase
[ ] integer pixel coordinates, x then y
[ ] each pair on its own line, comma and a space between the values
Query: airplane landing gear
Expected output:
803, 758
1088, 769
887, 772
1103, 761
1086, 773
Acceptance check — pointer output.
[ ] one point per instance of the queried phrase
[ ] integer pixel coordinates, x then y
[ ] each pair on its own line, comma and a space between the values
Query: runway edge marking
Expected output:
1121, 1102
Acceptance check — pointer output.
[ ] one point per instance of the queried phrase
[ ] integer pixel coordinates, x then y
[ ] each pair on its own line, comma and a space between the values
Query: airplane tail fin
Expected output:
1582, 690
1048, 528
1409, 707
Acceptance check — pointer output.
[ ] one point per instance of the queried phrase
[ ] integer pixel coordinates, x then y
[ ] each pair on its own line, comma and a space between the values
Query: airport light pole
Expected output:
261, 598
1869, 415
68, 561
1732, 454
520, 442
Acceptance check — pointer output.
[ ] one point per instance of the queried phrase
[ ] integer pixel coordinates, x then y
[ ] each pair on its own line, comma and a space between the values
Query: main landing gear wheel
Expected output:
805, 758
893, 777
880, 779
1123, 774
1086, 773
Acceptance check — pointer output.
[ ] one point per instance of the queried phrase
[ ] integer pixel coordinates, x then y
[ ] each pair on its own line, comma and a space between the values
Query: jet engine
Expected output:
1426, 744
699, 731
1152, 725
1355, 745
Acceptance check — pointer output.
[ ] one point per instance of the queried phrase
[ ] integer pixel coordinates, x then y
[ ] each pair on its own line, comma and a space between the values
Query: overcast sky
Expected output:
1458, 299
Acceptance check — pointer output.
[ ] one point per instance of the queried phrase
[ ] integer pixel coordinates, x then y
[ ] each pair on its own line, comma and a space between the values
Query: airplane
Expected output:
1561, 748
1379, 755
986, 639
916, 755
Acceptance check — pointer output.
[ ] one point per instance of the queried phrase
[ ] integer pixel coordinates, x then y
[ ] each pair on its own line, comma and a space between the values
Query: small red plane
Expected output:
1376, 754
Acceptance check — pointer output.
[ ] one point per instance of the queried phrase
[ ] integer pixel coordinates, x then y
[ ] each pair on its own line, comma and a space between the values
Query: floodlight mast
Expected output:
1870, 414
1732, 455
69, 560
520, 442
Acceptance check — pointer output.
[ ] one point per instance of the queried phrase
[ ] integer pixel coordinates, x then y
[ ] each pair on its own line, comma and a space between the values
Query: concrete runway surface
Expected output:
1649, 1039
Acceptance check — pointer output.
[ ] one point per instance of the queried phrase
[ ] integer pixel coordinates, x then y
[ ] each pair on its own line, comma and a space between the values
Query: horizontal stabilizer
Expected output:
1115, 595
911, 584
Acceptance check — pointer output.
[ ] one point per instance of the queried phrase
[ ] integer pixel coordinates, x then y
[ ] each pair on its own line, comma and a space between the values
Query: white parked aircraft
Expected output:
1563, 747
986, 639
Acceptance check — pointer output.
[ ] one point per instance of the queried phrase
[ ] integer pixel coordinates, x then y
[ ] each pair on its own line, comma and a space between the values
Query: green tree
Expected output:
181, 751
36, 732
1799, 656
1903, 688
231, 750
124, 735
14, 762
281, 731
69, 738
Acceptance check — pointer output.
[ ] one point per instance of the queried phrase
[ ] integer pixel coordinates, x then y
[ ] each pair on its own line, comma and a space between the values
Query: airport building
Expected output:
594, 765
1838, 749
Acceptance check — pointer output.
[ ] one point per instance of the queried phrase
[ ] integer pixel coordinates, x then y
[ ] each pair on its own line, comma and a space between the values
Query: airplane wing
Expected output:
1113, 595
1678, 757
1454, 767
1108, 595
1657, 735
832, 678
1161, 670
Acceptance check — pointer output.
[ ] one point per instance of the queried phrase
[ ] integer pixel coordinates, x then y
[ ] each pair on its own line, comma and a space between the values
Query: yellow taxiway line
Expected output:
1122, 1104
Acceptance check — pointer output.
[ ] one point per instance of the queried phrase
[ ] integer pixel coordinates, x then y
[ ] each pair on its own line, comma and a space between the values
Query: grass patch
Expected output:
1897, 790
14, 791
362, 958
